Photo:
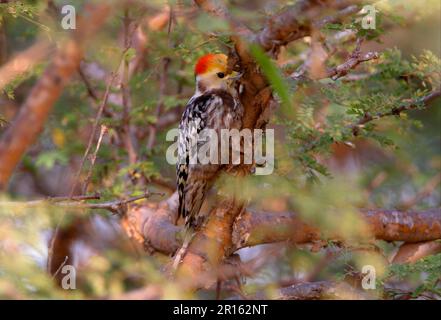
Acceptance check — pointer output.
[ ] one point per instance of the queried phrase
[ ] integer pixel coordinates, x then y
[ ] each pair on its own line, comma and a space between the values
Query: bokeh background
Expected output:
322, 171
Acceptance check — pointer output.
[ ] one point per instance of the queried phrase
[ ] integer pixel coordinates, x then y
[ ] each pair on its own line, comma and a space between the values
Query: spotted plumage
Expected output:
215, 105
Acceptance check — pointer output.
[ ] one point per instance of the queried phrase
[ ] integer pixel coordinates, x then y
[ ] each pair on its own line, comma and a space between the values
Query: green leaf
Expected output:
275, 78
49, 158
129, 54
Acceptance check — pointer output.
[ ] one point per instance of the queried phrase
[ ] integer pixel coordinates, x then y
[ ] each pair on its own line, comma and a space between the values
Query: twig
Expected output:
88, 85
33, 113
341, 70
94, 129
113, 206
425, 192
395, 111
86, 152
162, 87
354, 60
93, 159
125, 90
338, 16
52, 200
76, 198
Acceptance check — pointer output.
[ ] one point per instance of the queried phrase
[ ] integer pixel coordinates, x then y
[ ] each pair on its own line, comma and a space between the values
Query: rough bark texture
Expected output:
154, 224
312, 291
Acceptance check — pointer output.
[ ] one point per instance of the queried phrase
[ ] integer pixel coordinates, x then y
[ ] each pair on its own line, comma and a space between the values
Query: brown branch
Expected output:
23, 62
94, 130
93, 158
313, 291
355, 59
39, 202
210, 246
339, 71
114, 206
153, 224
296, 22
36, 108
338, 16
255, 228
127, 135
426, 191
162, 88
411, 252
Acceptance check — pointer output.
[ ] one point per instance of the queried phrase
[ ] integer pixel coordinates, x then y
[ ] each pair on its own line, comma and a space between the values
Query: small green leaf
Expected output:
275, 78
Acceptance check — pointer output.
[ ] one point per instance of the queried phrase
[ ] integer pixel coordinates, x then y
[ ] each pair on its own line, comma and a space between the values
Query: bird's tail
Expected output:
193, 200
180, 254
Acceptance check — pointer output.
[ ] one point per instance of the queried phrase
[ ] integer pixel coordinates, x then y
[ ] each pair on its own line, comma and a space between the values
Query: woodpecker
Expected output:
214, 105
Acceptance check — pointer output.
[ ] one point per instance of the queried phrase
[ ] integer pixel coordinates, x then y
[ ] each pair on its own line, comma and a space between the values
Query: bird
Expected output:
215, 105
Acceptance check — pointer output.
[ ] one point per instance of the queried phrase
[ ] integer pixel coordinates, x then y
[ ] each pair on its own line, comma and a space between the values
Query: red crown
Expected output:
203, 63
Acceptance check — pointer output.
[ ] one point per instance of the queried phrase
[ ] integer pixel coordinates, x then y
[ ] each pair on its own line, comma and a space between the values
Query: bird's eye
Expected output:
221, 74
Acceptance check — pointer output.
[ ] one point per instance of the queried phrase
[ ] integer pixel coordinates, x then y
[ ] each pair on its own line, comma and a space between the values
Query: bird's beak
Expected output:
234, 75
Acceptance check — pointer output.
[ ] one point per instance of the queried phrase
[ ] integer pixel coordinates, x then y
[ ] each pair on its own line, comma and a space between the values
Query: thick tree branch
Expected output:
254, 228
153, 224
313, 291
23, 62
297, 21
210, 246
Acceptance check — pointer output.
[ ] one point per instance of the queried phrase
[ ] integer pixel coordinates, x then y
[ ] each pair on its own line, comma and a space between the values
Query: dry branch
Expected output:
32, 116
298, 21
411, 252
23, 62
153, 224
255, 228
355, 58
211, 245
115, 206
313, 291
408, 105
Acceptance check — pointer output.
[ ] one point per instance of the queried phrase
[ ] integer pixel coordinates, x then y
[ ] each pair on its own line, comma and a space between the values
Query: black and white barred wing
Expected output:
192, 177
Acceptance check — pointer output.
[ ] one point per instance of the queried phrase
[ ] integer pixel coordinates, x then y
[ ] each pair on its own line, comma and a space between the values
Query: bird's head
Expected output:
211, 73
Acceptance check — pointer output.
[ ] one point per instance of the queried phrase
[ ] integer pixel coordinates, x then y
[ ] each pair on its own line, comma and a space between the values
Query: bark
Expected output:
23, 62
411, 252
154, 224
312, 291
210, 246
255, 228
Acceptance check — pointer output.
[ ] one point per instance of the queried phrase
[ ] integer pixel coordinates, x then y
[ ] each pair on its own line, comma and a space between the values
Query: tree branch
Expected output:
341, 70
32, 116
408, 105
313, 291
113, 206
296, 22
153, 224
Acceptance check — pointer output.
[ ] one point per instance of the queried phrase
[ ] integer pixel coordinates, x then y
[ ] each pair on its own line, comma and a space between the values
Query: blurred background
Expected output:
138, 63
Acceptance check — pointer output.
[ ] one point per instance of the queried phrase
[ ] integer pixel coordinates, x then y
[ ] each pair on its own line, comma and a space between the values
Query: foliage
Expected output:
322, 169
